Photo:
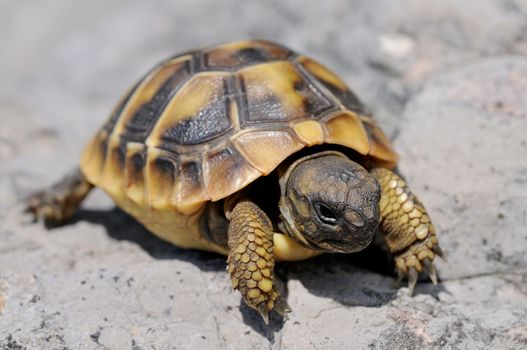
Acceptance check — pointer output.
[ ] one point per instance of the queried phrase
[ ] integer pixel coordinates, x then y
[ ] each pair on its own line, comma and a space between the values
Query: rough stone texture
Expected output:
447, 80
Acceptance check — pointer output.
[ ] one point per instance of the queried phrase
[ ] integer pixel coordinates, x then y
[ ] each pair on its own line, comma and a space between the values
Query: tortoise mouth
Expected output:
341, 246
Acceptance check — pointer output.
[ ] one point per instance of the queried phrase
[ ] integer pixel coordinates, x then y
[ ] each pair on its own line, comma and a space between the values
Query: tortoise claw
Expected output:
282, 308
412, 280
431, 270
59, 202
399, 279
417, 258
412, 273
41, 206
439, 252
264, 312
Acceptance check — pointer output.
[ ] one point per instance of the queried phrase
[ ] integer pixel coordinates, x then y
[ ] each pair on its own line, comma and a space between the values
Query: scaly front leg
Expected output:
251, 261
409, 233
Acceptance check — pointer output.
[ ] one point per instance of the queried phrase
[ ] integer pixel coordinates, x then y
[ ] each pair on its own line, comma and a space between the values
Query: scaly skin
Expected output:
409, 233
58, 203
251, 261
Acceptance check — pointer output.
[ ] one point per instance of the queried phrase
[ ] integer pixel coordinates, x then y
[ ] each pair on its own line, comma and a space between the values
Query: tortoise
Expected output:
251, 150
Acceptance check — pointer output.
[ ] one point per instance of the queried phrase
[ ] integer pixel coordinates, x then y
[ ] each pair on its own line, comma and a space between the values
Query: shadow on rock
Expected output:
360, 279
123, 227
254, 320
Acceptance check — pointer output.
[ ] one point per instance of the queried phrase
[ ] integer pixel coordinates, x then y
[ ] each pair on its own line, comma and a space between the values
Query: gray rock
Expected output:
463, 143
431, 74
474, 120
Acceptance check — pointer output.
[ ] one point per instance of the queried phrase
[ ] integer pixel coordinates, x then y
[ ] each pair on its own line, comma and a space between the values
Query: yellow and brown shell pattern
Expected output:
204, 124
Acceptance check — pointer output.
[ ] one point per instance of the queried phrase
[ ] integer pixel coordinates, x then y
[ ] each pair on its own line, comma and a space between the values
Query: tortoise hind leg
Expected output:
251, 261
58, 203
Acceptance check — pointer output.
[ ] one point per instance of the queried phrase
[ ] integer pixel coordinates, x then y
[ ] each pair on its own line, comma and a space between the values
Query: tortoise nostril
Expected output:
366, 232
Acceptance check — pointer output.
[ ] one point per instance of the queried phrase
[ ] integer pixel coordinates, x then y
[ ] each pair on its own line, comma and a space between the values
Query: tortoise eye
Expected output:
354, 217
326, 214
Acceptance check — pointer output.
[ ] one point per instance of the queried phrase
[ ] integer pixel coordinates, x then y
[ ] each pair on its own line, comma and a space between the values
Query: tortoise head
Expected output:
330, 203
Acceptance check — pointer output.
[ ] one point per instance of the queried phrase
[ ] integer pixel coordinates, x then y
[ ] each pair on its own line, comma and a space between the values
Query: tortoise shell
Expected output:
204, 124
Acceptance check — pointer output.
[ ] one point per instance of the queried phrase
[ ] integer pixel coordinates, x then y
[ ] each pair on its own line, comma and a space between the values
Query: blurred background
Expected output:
445, 79
65, 63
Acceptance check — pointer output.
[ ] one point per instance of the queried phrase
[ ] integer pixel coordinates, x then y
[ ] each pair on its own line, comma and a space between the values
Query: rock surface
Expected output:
447, 80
